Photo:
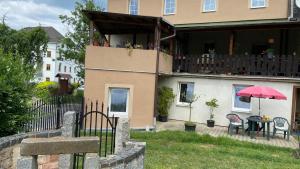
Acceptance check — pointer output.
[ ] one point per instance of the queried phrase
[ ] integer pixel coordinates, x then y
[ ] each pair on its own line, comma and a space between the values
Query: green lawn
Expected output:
184, 150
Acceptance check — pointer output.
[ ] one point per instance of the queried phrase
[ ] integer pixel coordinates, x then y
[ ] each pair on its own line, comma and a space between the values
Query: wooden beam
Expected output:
231, 43
91, 34
157, 36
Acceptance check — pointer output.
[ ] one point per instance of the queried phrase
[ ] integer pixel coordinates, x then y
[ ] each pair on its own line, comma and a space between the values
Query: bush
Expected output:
15, 94
165, 98
46, 89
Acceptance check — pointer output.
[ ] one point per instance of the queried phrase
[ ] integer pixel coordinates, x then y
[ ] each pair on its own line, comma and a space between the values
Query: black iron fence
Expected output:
260, 65
47, 114
93, 121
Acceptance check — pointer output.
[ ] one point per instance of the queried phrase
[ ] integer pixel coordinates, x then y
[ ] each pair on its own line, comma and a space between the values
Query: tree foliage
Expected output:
29, 44
15, 91
75, 41
20, 52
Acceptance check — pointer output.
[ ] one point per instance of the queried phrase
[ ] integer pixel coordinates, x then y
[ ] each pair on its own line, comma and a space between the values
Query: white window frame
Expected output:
179, 90
211, 10
165, 8
118, 114
255, 7
129, 7
236, 109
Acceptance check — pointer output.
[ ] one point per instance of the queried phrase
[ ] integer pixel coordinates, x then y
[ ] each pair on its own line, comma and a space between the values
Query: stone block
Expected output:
27, 162
122, 134
92, 161
59, 145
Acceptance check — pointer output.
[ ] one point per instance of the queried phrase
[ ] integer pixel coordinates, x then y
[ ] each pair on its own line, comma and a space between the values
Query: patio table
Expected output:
253, 120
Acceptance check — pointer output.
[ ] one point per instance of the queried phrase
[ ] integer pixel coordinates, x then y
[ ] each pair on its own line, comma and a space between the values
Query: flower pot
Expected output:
210, 123
162, 118
190, 127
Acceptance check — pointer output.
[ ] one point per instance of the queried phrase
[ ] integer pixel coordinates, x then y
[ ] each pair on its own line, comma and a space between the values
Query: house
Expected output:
53, 64
209, 48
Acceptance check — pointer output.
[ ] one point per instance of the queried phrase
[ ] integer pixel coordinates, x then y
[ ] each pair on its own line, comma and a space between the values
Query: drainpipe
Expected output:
169, 37
157, 69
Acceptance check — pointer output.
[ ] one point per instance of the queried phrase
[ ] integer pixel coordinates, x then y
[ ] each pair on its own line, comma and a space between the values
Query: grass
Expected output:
183, 150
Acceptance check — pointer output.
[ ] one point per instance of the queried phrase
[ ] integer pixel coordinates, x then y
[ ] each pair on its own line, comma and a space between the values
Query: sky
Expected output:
27, 13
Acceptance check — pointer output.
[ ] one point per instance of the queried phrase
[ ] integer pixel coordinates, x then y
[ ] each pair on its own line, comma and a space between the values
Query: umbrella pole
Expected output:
259, 106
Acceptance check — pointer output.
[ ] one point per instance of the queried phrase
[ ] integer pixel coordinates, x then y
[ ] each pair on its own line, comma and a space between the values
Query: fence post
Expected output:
92, 161
122, 134
68, 130
58, 113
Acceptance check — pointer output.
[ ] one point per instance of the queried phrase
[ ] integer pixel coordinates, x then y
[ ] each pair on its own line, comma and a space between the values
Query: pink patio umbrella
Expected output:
261, 92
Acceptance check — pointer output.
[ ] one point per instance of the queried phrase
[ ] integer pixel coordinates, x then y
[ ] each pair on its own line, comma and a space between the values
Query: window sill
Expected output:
182, 105
257, 7
170, 14
209, 11
241, 111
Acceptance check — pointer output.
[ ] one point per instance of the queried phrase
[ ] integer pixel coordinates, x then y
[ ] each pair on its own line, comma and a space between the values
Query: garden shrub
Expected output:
45, 89
15, 94
165, 98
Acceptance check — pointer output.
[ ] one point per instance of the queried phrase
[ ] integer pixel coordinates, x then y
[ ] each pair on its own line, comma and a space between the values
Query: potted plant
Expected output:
189, 125
165, 98
212, 104
96, 39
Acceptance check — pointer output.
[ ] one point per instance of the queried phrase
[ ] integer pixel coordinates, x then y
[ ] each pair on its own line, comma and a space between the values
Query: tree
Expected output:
29, 44
15, 92
20, 52
75, 41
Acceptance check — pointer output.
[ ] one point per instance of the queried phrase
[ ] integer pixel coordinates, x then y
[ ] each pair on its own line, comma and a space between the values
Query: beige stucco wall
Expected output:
142, 89
114, 67
222, 90
190, 11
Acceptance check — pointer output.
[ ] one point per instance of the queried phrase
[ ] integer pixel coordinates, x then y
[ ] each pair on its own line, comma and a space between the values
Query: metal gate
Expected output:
92, 121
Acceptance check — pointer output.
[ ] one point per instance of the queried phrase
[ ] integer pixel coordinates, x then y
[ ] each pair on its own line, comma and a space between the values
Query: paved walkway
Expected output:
218, 131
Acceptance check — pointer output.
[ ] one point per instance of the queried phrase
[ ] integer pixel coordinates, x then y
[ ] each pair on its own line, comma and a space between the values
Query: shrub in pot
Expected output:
189, 125
212, 104
165, 98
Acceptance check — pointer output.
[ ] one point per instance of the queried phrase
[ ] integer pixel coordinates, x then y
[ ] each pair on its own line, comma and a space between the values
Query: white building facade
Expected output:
53, 64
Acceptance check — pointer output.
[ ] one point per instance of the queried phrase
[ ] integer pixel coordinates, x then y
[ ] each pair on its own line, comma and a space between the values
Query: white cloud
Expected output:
25, 13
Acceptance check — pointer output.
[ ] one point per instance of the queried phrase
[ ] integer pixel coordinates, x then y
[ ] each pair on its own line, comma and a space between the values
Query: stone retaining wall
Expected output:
131, 157
9, 150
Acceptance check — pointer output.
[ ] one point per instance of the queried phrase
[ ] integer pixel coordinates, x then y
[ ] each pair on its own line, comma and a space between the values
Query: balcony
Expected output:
127, 60
249, 65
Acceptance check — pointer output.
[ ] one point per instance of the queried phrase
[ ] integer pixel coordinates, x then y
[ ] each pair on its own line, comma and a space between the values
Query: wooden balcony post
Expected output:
231, 43
157, 36
91, 32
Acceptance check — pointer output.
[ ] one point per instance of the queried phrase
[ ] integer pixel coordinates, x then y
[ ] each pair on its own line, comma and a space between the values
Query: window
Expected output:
133, 7
209, 5
258, 3
240, 103
48, 67
59, 67
186, 92
70, 69
169, 7
65, 69
48, 79
118, 101
49, 54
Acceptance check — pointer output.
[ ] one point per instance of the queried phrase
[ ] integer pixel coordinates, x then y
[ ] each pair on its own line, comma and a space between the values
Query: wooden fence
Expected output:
259, 65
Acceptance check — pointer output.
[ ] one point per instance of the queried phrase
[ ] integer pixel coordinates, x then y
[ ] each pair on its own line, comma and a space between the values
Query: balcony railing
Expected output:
260, 65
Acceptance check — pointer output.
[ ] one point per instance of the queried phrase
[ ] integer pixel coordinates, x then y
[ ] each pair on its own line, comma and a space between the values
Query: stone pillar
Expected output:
92, 161
122, 134
27, 162
68, 130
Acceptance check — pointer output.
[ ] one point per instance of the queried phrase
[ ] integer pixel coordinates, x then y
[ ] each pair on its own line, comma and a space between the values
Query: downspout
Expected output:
169, 37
